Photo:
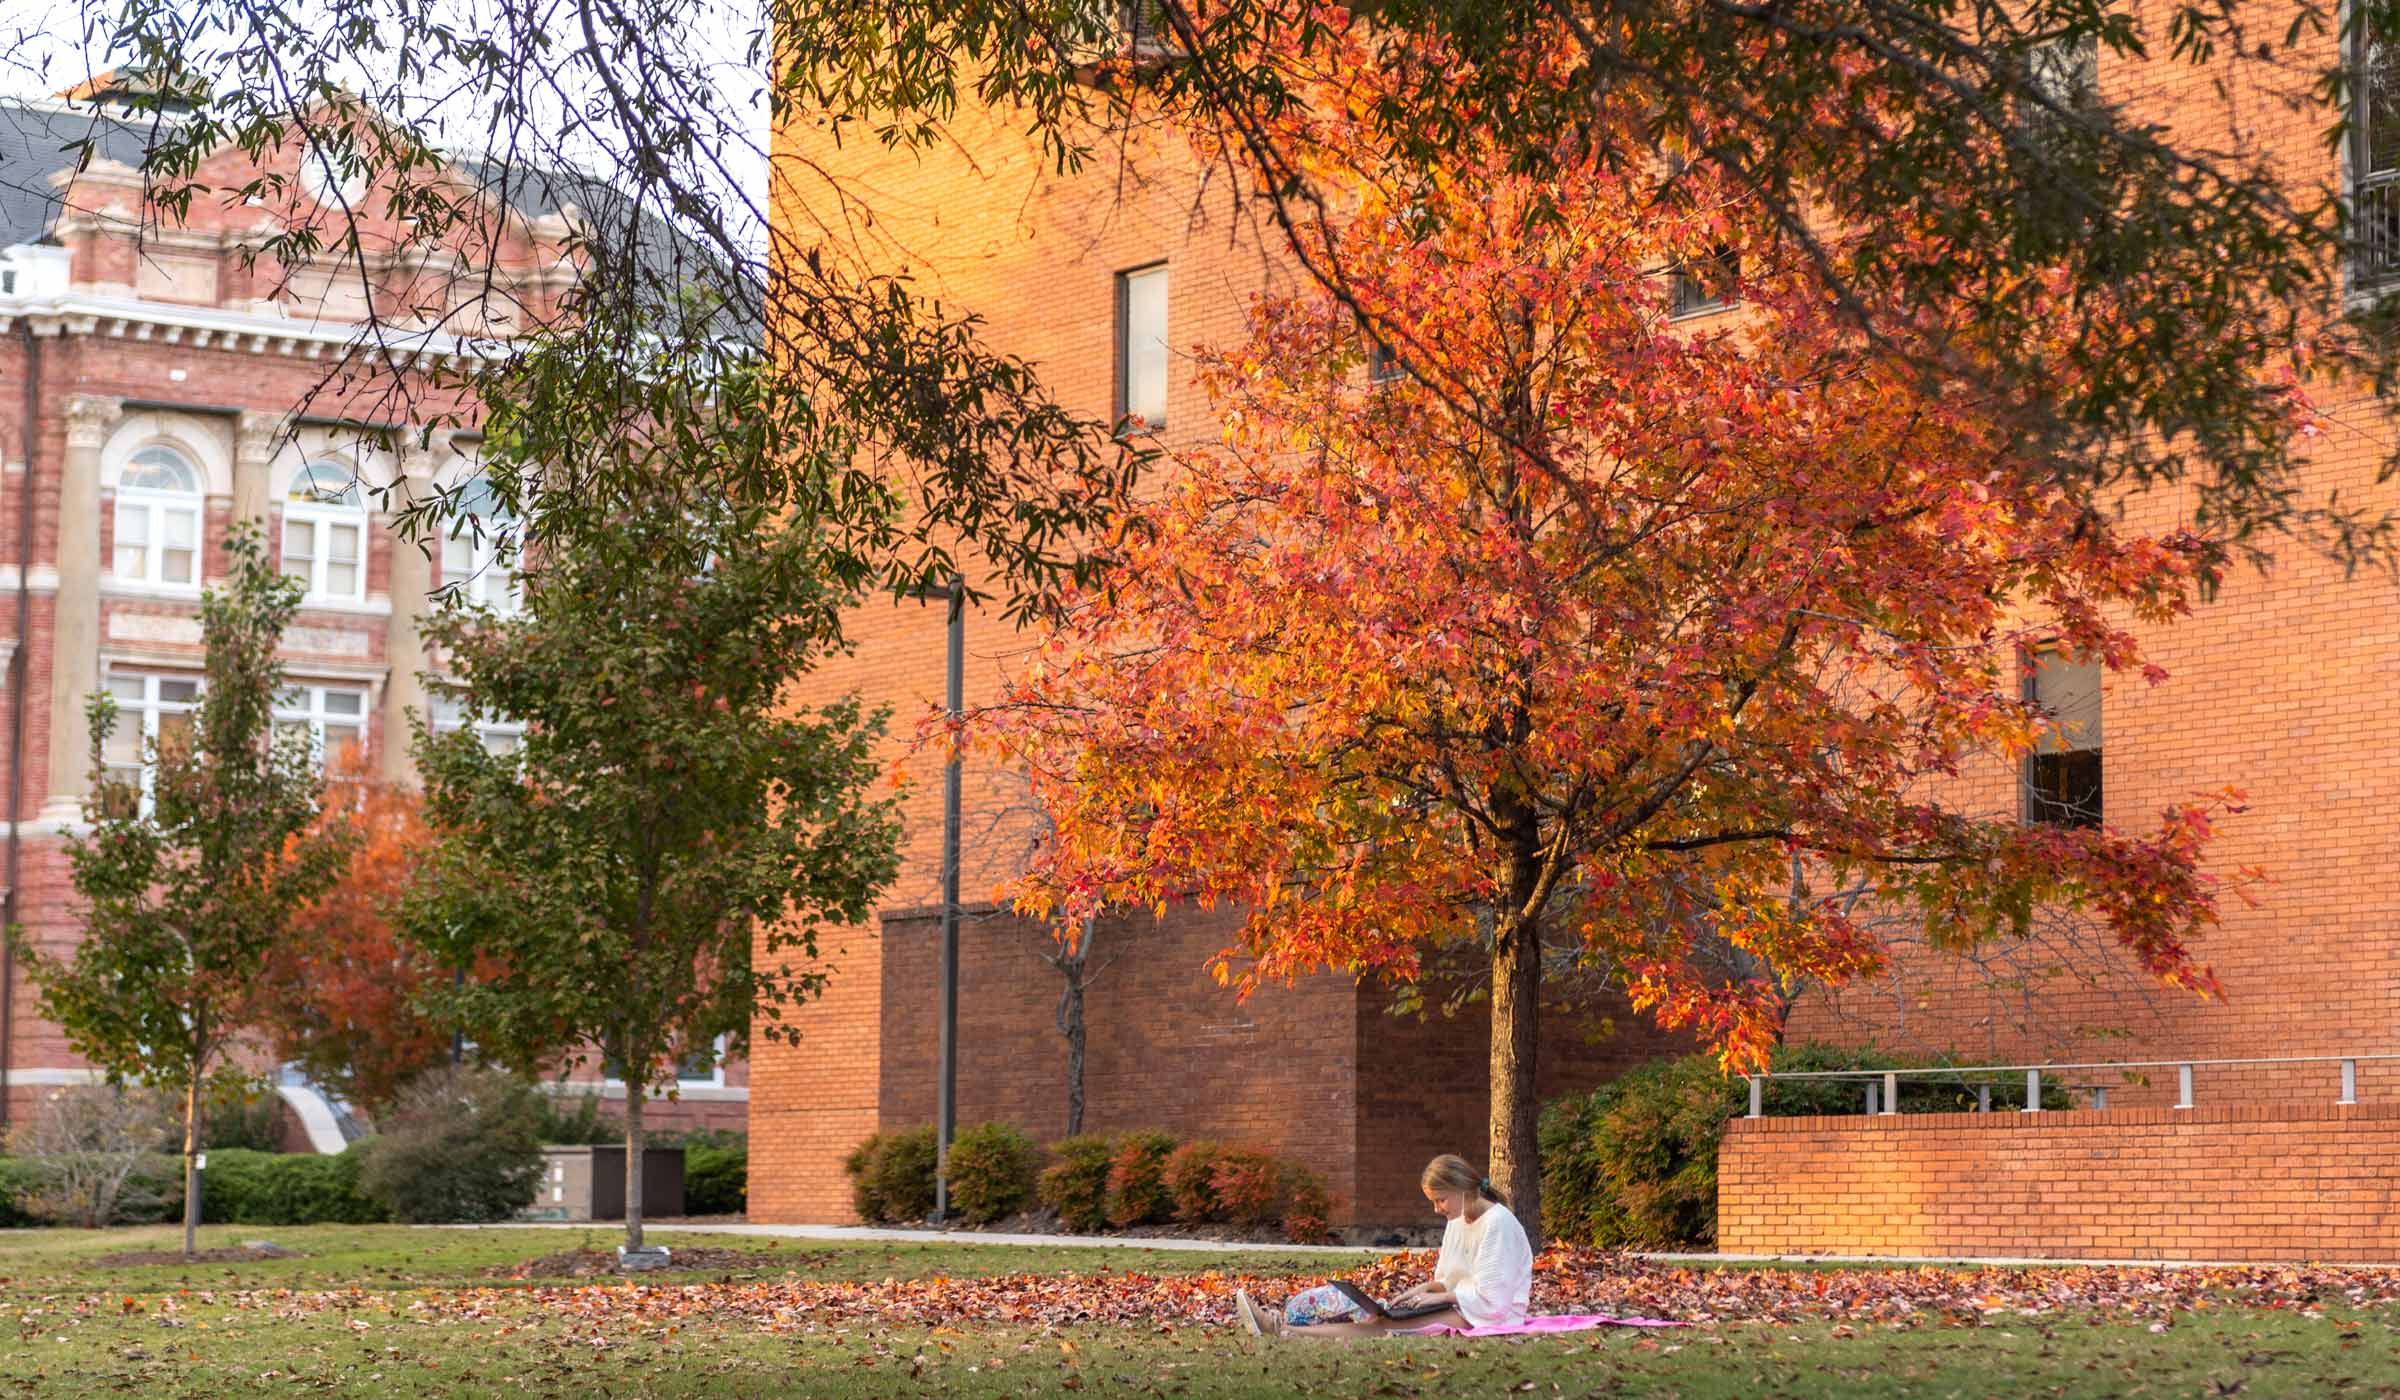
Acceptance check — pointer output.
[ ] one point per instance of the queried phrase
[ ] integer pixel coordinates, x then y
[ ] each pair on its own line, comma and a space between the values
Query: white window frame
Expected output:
476, 561
154, 507
1144, 368
323, 516
312, 712
714, 1080
143, 715
450, 717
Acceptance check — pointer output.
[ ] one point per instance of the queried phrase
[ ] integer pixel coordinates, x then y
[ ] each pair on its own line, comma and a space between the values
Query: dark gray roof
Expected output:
38, 139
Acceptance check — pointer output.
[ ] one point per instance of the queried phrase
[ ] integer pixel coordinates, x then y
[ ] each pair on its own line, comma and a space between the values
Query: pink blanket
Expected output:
1553, 1322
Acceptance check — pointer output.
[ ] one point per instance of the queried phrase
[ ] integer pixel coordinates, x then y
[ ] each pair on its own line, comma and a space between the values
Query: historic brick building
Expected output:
155, 388
2283, 686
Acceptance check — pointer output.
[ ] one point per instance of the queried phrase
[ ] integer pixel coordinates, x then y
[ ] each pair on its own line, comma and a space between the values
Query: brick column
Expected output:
255, 438
412, 580
75, 621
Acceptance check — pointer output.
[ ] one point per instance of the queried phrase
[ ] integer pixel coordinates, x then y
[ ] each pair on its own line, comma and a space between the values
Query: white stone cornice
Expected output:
82, 313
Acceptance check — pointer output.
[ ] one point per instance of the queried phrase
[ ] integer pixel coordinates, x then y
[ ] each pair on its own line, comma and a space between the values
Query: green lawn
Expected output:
400, 1256
398, 1312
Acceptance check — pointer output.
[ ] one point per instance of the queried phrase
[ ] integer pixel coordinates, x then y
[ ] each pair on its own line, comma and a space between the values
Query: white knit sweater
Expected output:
1488, 1265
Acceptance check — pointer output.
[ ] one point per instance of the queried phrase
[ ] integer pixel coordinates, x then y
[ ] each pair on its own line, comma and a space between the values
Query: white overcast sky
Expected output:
44, 49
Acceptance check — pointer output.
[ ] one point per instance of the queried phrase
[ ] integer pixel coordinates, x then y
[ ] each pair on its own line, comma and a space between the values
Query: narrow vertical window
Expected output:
2374, 164
1142, 349
2062, 774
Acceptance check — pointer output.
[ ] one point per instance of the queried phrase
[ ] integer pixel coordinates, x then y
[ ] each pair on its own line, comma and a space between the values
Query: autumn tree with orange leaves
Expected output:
340, 998
1568, 630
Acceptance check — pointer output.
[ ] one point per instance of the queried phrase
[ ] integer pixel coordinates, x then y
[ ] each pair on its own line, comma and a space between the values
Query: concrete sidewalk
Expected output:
858, 1234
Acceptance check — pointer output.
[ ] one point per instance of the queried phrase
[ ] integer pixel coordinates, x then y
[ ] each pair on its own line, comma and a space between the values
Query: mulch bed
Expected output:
238, 1254
681, 1259
1046, 1222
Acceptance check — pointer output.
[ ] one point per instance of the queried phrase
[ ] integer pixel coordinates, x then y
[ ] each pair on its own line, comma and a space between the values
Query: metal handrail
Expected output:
1888, 1080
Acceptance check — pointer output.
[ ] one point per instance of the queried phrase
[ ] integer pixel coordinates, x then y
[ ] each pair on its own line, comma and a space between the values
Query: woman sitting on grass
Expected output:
1484, 1274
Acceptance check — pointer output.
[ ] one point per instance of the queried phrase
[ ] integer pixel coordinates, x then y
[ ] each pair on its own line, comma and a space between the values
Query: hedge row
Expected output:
241, 1187
1633, 1164
1091, 1182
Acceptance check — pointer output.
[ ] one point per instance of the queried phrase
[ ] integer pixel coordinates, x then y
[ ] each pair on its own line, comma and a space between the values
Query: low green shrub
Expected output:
17, 1180
992, 1172
242, 1187
1137, 1180
1076, 1185
1249, 1187
461, 1145
237, 1120
1633, 1164
716, 1178
1189, 1174
891, 1176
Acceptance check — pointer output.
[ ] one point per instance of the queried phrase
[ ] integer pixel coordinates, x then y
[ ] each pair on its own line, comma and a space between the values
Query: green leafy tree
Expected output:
189, 888
654, 863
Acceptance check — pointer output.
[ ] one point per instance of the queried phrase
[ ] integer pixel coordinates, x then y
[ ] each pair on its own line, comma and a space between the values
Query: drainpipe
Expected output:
18, 665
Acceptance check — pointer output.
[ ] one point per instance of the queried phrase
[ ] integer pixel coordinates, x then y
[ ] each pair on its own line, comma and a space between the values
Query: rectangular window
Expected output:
496, 735
1695, 289
1383, 364
334, 717
157, 541
2374, 164
1142, 349
326, 549
2062, 774
704, 1067
480, 572
153, 712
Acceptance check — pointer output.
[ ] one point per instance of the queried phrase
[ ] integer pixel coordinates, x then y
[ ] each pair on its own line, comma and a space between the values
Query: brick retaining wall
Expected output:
2273, 1182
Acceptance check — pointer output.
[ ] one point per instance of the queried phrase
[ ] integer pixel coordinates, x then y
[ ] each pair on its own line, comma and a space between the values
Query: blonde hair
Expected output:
1451, 1173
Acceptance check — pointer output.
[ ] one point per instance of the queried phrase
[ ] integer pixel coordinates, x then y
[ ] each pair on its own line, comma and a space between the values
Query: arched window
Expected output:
325, 533
479, 559
158, 519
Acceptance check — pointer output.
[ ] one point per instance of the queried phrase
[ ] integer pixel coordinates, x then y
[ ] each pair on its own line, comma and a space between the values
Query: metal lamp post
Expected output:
946, 1113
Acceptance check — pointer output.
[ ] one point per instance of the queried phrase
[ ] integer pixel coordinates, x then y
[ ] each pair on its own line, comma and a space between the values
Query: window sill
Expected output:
112, 587
356, 607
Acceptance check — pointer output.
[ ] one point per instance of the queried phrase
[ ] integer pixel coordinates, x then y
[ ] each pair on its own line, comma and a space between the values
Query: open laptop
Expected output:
1360, 1296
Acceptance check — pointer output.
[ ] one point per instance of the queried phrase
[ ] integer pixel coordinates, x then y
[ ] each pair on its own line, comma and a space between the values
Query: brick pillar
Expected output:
412, 580
255, 438
75, 625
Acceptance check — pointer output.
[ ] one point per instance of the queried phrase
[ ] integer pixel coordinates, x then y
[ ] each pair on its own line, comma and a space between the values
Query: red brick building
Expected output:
160, 387
2283, 685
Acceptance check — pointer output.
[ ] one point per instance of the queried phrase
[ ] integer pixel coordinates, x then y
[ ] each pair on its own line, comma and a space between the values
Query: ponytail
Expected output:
1451, 1173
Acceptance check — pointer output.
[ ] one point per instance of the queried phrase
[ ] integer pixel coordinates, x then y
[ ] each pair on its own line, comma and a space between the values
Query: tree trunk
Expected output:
633, 1164
1070, 1025
191, 1167
1516, 1024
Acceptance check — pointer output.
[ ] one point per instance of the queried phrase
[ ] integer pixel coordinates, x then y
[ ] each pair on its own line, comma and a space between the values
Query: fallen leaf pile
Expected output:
1566, 1280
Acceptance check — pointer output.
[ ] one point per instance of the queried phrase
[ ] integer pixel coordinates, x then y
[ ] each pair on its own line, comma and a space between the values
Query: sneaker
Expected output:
1249, 1312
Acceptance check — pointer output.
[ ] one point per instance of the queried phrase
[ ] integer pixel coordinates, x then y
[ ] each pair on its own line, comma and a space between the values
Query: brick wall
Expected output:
1165, 1047
2272, 1182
